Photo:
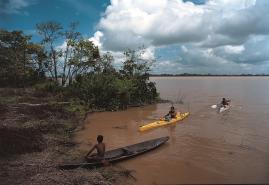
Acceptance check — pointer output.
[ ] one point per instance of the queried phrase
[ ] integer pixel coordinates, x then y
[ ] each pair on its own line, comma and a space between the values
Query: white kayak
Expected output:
224, 108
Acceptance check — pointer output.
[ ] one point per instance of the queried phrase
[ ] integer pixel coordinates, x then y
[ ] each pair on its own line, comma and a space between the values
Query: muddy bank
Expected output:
36, 135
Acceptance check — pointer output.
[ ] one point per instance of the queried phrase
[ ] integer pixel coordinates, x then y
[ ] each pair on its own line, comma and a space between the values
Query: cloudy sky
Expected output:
183, 36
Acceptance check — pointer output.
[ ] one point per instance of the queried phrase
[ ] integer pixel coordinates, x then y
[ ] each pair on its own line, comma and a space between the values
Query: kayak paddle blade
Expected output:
214, 106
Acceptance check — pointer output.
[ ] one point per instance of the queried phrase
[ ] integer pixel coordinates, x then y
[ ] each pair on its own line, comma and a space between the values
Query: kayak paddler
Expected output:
171, 114
225, 102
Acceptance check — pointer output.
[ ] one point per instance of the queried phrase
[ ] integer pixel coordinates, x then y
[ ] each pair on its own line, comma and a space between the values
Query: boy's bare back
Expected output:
101, 148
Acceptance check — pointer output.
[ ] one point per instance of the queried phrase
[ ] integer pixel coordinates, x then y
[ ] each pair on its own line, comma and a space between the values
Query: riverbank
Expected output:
36, 132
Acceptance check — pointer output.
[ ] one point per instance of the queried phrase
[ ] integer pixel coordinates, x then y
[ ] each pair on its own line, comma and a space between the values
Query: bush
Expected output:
49, 87
111, 92
96, 90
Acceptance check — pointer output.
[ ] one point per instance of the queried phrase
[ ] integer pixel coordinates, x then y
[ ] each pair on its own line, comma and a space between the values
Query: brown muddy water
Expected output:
207, 147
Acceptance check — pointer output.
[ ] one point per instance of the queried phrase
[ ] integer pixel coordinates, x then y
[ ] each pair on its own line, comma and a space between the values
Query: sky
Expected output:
181, 36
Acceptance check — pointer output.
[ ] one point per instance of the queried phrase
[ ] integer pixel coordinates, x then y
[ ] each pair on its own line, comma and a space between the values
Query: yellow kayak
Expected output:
162, 122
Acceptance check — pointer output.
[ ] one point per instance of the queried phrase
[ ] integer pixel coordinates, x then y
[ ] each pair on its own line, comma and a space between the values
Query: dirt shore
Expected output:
36, 135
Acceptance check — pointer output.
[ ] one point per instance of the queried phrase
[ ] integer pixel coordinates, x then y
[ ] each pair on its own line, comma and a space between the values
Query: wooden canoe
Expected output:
119, 154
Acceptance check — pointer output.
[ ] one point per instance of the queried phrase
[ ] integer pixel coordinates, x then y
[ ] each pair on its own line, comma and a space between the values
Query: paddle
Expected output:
214, 106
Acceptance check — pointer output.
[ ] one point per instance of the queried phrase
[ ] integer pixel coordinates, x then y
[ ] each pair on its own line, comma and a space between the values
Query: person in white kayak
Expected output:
225, 102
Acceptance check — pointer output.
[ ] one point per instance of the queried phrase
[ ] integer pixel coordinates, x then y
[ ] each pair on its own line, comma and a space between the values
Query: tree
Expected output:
51, 33
71, 37
135, 64
38, 58
76, 56
104, 65
136, 68
15, 59
85, 57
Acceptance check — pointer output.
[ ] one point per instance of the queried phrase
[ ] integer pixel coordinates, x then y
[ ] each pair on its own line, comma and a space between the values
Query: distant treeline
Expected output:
75, 69
190, 74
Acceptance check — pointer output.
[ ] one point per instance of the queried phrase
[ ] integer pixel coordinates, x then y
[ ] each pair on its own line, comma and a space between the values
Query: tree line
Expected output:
76, 68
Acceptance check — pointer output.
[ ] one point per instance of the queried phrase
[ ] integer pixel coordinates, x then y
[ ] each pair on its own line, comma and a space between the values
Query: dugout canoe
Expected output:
119, 154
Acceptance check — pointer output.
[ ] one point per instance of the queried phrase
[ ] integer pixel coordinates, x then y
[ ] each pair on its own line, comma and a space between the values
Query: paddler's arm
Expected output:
91, 150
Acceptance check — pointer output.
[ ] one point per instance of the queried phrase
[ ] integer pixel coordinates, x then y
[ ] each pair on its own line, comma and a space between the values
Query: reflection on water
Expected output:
207, 147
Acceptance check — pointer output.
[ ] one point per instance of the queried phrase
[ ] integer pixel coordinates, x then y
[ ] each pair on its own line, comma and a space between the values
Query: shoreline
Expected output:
38, 135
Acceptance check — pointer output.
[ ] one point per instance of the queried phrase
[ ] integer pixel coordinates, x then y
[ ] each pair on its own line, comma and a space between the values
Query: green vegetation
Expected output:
46, 87
111, 90
20, 60
76, 70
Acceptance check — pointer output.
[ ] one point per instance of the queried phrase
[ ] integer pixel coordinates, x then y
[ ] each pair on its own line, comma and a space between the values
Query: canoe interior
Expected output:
135, 149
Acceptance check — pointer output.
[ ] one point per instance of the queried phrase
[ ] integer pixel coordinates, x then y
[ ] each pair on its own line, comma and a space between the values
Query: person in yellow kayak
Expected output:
171, 114
100, 148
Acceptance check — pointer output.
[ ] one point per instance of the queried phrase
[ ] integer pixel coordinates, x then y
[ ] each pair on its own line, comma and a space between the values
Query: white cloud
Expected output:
132, 23
184, 49
254, 51
149, 54
167, 66
220, 31
62, 46
96, 39
231, 5
204, 61
234, 49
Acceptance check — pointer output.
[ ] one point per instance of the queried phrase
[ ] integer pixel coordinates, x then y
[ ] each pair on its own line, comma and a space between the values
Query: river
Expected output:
207, 147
